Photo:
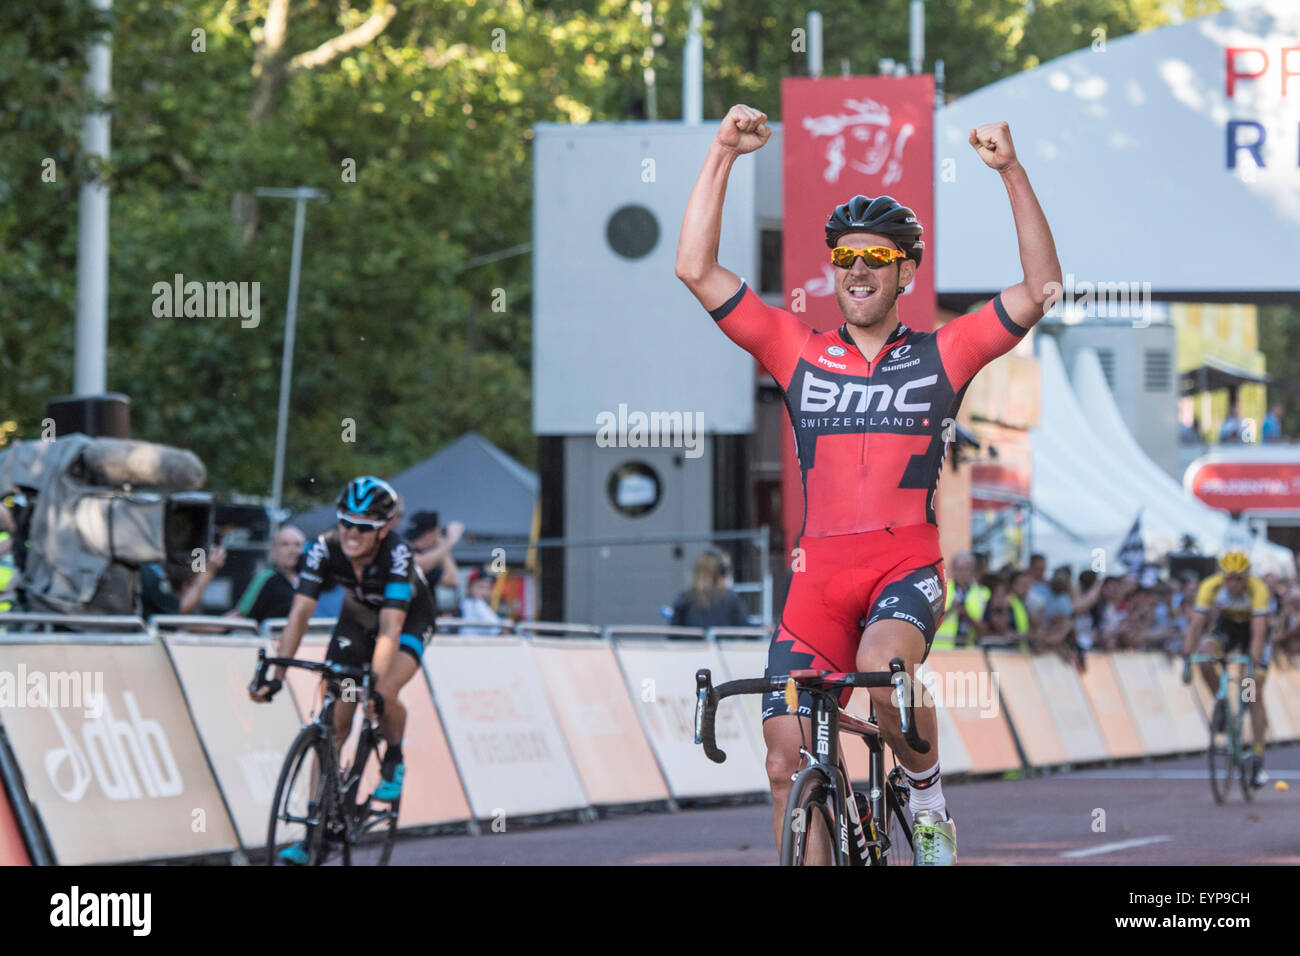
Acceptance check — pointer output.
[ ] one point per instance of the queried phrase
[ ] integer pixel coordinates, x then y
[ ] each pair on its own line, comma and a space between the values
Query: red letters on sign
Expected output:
1286, 71
1231, 67
1234, 72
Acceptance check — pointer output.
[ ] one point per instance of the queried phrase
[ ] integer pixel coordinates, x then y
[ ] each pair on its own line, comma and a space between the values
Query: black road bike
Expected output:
862, 829
1229, 754
319, 800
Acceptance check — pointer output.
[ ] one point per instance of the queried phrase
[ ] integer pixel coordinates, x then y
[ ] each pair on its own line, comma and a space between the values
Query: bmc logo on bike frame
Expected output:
821, 395
823, 734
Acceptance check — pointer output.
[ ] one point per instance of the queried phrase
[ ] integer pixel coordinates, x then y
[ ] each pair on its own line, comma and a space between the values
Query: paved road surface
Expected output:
1159, 812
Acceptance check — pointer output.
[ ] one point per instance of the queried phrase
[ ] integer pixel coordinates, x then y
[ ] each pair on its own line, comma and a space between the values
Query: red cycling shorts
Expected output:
840, 585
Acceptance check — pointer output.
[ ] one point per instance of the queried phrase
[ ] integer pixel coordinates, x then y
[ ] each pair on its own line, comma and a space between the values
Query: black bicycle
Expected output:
864, 829
1229, 754
320, 805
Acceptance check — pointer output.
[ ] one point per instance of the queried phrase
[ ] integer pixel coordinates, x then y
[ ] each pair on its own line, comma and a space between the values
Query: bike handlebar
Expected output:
329, 668
1223, 660
707, 698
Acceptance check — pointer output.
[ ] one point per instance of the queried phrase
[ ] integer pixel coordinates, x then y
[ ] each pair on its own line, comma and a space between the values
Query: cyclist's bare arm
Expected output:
743, 130
1194, 629
391, 620
295, 627
287, 646
1025, 300
1258, 634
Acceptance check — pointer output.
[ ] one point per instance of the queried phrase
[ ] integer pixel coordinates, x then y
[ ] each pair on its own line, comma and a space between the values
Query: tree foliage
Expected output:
434, 110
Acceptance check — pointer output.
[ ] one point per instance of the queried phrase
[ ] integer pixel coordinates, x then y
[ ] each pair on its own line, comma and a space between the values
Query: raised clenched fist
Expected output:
744, 129
993, 142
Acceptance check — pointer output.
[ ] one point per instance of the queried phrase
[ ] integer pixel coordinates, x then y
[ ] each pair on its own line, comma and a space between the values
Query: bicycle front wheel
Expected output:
807, 835
1222, 753
296, 830
899, 830
371, 825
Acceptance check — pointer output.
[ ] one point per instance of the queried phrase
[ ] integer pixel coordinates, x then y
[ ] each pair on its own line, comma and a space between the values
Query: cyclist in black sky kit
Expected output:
871, 404
386, 620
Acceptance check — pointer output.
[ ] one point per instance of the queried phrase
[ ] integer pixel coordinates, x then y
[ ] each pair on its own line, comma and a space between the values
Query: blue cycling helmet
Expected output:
369, 496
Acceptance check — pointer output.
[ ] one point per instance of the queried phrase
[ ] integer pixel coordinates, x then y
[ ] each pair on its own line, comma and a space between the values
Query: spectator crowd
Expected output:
173, 589
1071, 616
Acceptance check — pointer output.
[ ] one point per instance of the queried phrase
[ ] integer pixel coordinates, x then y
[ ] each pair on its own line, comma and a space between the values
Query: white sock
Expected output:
927, 792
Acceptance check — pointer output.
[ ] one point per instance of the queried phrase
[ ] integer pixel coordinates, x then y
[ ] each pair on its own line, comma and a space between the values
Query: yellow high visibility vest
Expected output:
1019, 616
6, 576
976, 597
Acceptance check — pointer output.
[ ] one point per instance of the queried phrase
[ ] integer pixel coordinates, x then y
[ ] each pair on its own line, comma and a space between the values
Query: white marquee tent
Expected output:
1091, 479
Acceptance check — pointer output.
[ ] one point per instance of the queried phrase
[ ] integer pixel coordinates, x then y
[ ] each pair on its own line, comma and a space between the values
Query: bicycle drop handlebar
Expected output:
1223, 660
340, 671
817, 682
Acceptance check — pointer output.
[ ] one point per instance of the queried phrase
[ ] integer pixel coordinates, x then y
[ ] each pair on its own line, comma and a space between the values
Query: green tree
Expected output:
416, 118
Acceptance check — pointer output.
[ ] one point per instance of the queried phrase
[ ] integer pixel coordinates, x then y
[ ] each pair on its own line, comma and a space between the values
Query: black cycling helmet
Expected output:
884, 216
369, 496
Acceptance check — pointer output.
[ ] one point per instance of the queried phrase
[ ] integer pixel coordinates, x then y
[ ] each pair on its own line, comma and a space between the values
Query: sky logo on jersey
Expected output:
401, 558
823, 395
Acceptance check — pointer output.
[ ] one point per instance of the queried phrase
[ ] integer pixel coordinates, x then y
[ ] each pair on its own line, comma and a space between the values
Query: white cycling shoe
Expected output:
934, 841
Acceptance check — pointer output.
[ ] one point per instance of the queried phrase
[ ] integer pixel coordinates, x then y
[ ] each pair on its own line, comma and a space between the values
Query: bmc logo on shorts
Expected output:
930, 588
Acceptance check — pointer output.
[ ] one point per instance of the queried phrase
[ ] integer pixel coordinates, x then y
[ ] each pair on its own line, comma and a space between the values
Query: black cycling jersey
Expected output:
389, 580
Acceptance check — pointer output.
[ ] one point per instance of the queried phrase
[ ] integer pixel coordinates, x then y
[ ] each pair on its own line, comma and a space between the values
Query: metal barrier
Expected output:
652, 630
114, 622
272, 626
529, 628
205, 622
441, 625
751, 633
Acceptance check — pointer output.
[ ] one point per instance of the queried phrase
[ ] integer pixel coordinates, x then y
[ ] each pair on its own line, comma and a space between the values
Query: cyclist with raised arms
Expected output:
1239, 605
387, 618
872, 404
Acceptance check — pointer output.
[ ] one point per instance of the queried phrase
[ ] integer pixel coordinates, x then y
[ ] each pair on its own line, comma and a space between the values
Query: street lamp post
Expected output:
301, 195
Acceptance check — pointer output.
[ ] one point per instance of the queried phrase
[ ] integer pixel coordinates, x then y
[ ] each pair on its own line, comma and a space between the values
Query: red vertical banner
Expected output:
844, 136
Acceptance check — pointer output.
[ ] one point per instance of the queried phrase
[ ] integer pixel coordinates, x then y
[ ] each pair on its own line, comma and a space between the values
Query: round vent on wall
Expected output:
632, 231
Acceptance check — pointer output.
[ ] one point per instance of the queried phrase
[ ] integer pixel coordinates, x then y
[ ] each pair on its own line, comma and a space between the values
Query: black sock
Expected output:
393, 755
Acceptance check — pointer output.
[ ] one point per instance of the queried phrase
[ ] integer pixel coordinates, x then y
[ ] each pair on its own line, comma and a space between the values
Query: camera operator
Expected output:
176, 589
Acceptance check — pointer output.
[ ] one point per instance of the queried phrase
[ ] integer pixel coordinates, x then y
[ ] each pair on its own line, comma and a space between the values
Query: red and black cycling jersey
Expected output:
871, 432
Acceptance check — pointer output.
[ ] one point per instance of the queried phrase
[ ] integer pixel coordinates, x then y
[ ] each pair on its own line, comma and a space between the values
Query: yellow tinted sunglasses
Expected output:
873, 256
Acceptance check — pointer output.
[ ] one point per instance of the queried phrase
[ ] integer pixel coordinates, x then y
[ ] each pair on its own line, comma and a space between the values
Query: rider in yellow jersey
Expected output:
1242, 604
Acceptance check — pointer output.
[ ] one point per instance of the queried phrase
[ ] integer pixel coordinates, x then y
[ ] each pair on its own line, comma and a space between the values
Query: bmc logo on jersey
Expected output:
822, 395
930, 588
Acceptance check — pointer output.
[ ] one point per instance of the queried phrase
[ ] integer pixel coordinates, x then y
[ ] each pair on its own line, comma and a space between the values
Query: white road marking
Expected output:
1112, 847
1138, 774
